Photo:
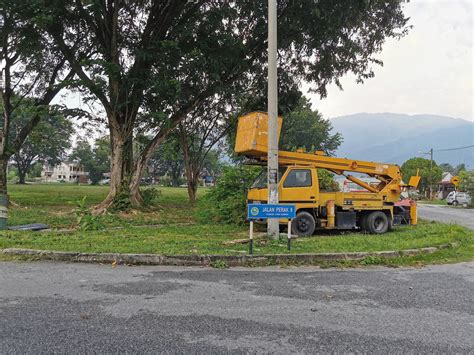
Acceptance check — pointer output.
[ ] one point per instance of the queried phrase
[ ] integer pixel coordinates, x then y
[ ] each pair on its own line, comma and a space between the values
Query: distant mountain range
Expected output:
394, 138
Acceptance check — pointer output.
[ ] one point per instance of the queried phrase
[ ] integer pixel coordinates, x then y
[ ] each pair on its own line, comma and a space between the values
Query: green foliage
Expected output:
150, 196
180, 233
326, 181
212, 163
171, 182
446, 167
167, 161
33, 72
467, 183
372, 260
227, 201
121, 202
219, 264
459, 169
12, 175
36, 169
182, 54
85, 220
428, 175
95, 160
48, 140
306, 129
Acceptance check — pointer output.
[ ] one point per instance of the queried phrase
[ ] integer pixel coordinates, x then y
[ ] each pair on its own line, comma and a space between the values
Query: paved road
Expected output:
462, 216
77, 308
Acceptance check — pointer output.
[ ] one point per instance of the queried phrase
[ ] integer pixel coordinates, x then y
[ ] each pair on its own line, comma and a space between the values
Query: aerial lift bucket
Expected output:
252, 134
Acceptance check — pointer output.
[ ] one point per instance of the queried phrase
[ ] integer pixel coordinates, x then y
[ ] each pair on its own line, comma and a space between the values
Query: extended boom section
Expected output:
376, 209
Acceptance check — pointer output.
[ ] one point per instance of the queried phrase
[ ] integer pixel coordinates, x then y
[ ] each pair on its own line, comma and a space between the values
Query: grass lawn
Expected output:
434, 202
172, 229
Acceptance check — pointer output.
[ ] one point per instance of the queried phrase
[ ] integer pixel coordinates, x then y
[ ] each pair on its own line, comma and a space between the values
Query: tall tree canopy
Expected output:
166, 57
95, 159
467, 183
197, 134
306, 129
32, 71
430, 175
47, 143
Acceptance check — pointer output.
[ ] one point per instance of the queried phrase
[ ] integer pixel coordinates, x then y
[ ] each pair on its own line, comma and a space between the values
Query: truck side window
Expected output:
298, 178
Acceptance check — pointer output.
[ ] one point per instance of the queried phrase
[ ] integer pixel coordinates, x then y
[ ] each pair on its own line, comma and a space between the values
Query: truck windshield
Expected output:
261, 180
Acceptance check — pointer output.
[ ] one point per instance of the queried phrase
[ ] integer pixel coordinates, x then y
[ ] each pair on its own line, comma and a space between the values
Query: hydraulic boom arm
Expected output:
388, 174
251, 141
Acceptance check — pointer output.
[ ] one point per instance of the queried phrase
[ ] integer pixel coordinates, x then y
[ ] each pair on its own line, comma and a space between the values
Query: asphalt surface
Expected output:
77, 308
447, 214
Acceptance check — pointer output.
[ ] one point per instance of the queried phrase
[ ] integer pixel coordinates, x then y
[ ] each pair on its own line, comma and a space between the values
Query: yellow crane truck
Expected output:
376, 209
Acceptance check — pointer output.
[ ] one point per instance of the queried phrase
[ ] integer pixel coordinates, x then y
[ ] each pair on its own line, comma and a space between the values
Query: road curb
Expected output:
208, 260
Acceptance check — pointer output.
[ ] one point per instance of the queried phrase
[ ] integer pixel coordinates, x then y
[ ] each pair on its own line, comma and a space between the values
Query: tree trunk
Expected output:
136, 197
139, 167
21, 176
192, 186
192, 175
191, 169
121, 166
3, 175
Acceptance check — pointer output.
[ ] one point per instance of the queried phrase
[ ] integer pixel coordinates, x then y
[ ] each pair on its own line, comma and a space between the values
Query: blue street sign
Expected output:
264, 211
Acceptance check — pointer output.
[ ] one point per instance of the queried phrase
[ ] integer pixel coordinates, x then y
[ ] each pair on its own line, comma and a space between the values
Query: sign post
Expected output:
270, 212
455, 180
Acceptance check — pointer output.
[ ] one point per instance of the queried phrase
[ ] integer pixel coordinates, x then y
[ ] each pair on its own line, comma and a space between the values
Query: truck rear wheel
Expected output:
377, 222
303, 224
363, 222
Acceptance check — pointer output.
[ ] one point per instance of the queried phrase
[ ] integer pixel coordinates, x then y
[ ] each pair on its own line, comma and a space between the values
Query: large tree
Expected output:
306, 129
198, 134
167, 57
467, 183
32, 70
95, 159
47, 143
429, 171
168, 161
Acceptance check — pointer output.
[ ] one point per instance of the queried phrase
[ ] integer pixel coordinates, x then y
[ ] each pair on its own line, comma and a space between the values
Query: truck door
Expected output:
299, 185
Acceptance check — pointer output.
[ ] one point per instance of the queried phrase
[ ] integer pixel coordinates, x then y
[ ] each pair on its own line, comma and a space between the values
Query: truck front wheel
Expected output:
377, 222
303, 224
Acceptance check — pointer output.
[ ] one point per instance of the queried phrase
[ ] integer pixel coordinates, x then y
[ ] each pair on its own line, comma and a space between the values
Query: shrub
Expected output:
85, 220
150, 196
121, 202
227, 201
467, 183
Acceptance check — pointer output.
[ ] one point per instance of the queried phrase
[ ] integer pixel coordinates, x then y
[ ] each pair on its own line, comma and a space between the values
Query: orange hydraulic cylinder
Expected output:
413, 213
331, 214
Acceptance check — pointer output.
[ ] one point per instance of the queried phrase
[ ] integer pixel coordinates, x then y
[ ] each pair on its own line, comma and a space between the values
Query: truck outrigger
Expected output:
375, 210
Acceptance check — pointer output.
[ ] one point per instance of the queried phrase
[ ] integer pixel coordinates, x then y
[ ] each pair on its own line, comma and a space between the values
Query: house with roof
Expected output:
445, 186
66, 171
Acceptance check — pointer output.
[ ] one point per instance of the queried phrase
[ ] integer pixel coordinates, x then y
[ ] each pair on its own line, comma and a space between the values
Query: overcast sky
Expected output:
428, 71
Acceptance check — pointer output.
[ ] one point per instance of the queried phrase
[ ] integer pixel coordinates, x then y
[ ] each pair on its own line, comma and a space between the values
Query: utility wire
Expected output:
449, 149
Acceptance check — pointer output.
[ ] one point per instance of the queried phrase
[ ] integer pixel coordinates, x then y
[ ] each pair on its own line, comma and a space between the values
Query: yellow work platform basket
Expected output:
252, 133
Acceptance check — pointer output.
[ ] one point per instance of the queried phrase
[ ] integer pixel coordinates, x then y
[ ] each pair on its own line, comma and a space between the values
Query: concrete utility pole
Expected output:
272, 226
431, 173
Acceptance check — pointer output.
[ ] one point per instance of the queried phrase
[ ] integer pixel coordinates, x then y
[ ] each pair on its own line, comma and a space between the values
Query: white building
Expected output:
67, 171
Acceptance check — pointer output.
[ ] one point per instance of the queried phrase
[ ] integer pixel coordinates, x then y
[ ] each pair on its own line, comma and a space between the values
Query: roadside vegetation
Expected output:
177, 80
434, 202
176, 227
